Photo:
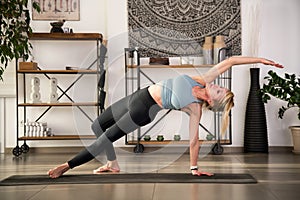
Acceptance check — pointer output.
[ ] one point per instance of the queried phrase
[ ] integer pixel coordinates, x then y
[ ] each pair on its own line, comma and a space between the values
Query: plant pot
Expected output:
295, 130
177, 137
160, 138
209, 137
147, 138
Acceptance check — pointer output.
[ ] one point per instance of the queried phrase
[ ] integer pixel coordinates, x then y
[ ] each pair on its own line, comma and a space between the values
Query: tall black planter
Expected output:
256, 133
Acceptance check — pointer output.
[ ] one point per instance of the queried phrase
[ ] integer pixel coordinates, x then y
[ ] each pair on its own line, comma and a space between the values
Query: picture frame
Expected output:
68, 10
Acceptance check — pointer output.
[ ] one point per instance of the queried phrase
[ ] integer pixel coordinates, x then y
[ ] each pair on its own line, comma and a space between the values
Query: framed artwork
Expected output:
57, 10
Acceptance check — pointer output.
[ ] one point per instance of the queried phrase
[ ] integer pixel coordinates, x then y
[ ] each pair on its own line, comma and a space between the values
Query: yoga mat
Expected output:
110, 178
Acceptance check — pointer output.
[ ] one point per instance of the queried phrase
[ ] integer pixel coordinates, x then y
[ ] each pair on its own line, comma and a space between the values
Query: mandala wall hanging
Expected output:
164, 28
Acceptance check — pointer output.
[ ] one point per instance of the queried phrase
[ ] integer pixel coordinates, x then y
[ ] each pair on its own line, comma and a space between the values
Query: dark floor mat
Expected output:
127, 178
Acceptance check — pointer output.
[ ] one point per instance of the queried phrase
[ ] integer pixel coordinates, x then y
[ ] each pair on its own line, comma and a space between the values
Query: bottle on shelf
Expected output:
208, 51
219, 44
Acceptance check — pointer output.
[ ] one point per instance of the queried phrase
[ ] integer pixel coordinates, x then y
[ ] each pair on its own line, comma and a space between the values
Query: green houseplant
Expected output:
286, 88
14, 30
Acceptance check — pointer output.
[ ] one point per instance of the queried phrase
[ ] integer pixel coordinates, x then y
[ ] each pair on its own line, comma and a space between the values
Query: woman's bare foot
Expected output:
58, 171
111, 166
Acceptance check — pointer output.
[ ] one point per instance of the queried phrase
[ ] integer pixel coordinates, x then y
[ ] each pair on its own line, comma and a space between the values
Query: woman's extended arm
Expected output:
223, 66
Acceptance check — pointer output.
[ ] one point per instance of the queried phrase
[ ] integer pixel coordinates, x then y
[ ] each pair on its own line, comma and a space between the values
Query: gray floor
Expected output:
278, 176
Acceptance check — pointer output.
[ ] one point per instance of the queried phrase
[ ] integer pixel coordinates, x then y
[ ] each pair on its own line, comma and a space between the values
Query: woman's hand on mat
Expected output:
199, 173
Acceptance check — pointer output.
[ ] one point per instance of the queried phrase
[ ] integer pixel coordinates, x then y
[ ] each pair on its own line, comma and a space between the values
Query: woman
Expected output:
185, 93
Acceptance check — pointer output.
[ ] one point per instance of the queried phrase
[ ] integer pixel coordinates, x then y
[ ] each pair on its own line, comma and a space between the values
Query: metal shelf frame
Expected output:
132, 61
99, 71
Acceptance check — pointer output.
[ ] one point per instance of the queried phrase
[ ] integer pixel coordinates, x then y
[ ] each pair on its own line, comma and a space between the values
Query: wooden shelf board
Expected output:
58, 71
59, 104
65, 36
60, 137
171, 66
91, 137
152, 142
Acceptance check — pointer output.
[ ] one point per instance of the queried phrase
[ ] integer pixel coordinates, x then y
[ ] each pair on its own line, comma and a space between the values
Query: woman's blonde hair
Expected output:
224, 105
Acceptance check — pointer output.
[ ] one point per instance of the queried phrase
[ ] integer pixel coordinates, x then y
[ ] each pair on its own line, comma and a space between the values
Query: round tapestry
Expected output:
163, 28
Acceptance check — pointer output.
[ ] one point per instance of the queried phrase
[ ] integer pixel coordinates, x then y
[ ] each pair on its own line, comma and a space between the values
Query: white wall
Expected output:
279, 29
57, 54
7, 104
279, 42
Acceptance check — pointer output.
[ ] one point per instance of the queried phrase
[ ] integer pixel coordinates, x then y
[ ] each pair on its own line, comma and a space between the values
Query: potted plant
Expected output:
286, 88
14, 30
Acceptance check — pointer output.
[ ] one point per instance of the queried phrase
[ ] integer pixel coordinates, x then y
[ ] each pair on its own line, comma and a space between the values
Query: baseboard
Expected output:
280, 149
74, 150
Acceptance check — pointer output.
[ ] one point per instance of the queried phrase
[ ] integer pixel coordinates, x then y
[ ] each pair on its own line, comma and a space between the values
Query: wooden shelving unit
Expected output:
24, 104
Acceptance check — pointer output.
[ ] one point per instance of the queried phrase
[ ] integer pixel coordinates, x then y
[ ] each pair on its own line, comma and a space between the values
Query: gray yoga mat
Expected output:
111, 178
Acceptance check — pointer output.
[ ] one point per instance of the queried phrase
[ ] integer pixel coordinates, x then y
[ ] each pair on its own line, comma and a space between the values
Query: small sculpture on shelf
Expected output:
53, 96
35, 96
57, 26
35, 129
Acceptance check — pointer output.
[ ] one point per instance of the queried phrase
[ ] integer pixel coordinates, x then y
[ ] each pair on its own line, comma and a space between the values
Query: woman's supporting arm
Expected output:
223, 66
194, 110
195, 116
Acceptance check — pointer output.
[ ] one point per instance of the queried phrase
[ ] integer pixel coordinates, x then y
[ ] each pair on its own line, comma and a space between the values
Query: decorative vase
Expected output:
256, 134
295, 130
208, 51
57, 27
218, 45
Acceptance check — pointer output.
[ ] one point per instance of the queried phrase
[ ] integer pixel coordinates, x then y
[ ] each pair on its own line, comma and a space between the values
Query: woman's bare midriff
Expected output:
155, 92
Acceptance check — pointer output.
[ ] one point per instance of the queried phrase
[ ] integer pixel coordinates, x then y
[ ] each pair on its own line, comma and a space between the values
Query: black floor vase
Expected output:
256, 133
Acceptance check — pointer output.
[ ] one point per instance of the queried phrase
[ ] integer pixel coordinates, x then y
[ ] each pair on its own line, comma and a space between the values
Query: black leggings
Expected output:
121, 118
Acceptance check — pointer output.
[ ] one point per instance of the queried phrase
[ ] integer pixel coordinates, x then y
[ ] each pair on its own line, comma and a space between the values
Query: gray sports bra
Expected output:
177, 92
